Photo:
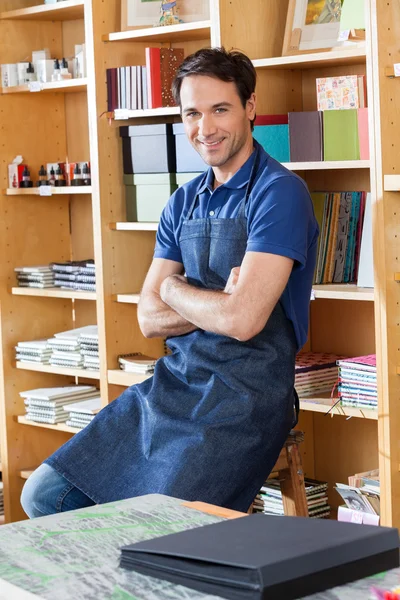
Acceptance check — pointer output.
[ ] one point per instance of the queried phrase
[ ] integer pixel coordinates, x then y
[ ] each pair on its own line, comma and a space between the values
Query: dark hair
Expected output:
221, 64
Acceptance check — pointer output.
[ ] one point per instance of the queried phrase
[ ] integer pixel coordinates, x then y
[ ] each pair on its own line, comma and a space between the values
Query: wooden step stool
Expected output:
291, 476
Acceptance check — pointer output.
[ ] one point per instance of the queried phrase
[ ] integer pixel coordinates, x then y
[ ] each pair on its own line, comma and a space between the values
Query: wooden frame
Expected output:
146, 13
301, 37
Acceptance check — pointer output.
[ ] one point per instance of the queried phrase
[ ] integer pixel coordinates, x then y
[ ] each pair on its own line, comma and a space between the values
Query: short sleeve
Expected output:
281, 220
166, 245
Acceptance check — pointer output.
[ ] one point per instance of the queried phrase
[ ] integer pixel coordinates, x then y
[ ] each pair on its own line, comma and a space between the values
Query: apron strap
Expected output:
250, 183
191, 209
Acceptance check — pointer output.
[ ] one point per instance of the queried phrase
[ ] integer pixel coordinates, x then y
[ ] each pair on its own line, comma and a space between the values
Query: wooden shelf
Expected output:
2, 520
59, 427
343, 291
68, 190
82, 373
323, 404
334, 58
68, 10
125, 226
118, 377
323, 165
53, 293
397, 276
25, 473
391, 183
121, 114
70, 85
185, 32
127, 298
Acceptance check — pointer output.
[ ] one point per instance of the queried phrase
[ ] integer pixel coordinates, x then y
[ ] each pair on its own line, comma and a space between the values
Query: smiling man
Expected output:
229, 286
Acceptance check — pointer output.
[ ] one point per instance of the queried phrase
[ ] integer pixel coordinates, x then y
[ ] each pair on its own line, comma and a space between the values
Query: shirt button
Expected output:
211, 213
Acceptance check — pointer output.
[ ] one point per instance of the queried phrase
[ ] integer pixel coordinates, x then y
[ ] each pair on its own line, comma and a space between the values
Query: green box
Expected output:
147, 194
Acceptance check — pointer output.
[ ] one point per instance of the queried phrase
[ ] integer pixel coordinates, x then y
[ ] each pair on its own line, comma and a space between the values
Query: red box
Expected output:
15, 175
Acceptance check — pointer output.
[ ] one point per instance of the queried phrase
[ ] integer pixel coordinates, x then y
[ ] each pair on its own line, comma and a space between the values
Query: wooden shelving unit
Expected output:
92, 222
68, 10
343, 291
317, 60
68, 86
59, 427
25, 473
55, 191
118, 377
127, 226
81, 373
53, 293
198, 30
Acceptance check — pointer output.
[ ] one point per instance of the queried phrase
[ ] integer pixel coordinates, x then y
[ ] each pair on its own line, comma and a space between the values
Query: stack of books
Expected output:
315, 373
138, 363
35, 277
340, 216
357, 382
66, 349
82, 413
363, 492
269, 500
143, 87
45, 405
75, 275
36, 351
89, 344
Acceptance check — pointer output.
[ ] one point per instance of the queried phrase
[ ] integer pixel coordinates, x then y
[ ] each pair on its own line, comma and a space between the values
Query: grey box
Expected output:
187, 159
146, 195
148, 149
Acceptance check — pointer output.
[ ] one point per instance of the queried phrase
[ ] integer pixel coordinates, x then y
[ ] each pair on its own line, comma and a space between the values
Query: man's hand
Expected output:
232, 280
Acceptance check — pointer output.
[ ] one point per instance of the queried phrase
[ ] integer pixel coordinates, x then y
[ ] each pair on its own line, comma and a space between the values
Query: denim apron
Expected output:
211, 422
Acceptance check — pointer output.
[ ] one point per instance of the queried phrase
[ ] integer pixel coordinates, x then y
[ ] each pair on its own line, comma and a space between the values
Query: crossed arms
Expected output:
169, 306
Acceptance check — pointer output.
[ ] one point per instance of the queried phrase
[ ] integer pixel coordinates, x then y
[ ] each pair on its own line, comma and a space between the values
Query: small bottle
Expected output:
56, 76
86, 175
60, 178
77, 178
26, 179
64, 73
52, 179
30, 73
42, 177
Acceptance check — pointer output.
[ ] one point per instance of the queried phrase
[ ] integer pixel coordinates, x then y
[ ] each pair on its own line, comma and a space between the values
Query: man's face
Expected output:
215, 121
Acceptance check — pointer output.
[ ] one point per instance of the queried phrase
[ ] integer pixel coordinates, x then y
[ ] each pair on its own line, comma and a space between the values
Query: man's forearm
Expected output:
157, 319
208, 309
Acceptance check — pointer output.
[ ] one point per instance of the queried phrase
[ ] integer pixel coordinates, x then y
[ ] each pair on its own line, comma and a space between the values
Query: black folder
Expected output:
261, 556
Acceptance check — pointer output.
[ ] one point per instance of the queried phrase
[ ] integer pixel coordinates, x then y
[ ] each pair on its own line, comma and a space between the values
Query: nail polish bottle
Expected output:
26, 179
56, 76
42, 177
77, 178
52, 178
64, 73
60, 178
86, 175
30, 73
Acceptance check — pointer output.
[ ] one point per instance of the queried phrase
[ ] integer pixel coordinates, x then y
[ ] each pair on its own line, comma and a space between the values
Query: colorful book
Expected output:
153, 67
341, 93
275, 140
305, 126
341, 135
170, 61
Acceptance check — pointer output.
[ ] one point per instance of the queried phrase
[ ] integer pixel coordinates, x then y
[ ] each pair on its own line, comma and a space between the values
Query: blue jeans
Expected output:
47, 492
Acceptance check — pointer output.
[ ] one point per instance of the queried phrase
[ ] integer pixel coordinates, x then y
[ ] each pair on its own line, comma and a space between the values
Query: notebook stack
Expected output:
36, 351
66, 349
357, 382
75, 275
35, 277
45, 405
316, 373
269, 500
89, 343
363, 492
137, 363
82, 413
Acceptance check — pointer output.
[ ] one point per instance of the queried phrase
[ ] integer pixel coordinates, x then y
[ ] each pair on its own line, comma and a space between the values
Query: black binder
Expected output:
261, 556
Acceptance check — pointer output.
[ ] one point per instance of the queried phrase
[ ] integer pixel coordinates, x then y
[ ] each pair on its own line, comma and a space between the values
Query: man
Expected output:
229, 287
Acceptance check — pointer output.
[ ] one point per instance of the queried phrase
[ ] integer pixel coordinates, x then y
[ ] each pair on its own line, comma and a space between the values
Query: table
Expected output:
75, 555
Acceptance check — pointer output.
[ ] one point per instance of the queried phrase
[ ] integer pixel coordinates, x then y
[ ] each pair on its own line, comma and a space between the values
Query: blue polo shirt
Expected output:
280, 220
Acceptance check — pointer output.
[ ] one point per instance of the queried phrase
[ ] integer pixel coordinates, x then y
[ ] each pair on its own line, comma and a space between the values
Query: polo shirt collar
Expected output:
239, 180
